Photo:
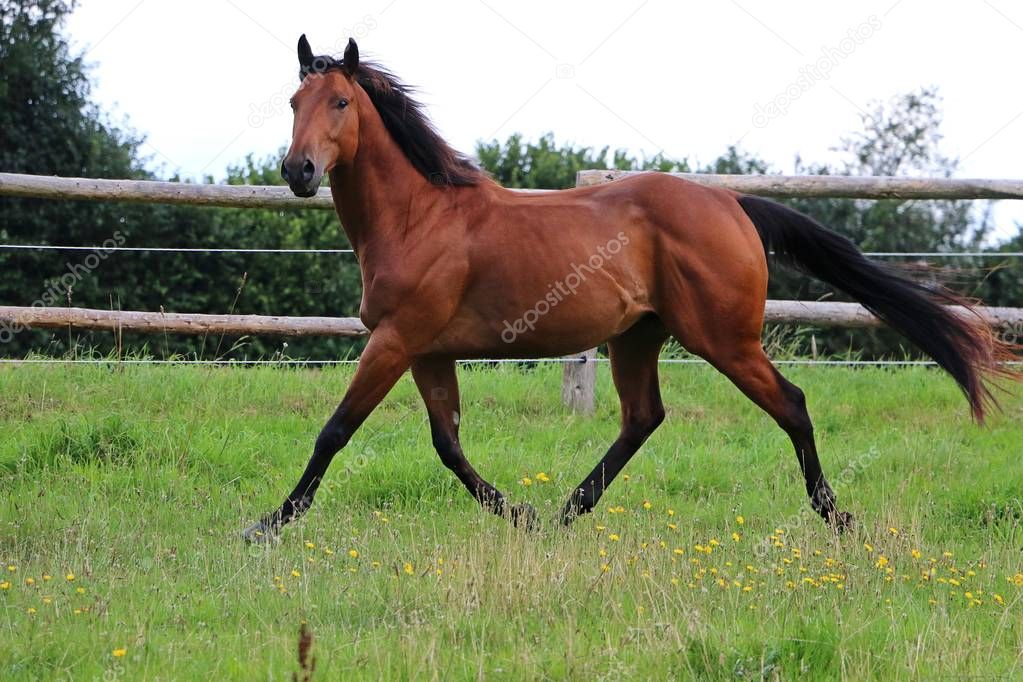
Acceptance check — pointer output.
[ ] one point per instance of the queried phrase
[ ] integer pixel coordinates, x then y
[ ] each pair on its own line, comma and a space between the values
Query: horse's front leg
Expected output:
381, 365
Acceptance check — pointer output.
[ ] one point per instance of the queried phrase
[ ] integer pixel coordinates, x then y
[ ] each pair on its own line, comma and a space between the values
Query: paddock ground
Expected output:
123, 491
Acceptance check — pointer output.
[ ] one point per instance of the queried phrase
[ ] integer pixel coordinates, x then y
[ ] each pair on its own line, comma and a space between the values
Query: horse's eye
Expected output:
342, 103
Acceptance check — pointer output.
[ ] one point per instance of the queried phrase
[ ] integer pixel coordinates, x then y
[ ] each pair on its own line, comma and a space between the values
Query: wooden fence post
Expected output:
580, 379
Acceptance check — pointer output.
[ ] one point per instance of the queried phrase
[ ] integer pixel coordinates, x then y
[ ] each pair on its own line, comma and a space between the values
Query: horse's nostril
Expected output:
308, 169
284, 172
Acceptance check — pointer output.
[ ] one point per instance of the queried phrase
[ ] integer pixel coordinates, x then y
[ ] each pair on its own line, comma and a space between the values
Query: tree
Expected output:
543, 165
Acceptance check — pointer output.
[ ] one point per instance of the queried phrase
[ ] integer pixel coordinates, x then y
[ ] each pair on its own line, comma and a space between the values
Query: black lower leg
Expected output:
332, 438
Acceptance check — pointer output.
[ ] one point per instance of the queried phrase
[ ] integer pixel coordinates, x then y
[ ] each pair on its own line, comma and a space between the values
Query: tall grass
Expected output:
134, 482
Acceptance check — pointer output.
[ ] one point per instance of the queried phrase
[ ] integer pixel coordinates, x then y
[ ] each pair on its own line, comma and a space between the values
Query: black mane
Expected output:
407, 123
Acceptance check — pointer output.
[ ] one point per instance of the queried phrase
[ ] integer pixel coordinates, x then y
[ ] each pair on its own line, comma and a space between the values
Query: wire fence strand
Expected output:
201, 249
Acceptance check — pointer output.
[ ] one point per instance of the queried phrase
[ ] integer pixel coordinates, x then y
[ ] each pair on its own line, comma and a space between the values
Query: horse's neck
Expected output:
375, 196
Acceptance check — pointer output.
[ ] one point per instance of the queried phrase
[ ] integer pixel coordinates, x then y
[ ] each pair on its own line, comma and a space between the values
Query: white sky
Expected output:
208, 80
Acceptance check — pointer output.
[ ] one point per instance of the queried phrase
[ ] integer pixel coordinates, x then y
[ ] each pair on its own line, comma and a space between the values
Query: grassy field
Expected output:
124, 491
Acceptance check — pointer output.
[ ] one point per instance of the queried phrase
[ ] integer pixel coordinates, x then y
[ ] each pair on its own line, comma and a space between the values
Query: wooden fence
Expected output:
577, 389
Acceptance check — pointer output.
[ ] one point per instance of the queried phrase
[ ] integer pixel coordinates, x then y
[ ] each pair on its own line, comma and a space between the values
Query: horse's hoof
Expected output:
842, 522
525, 517
259, 533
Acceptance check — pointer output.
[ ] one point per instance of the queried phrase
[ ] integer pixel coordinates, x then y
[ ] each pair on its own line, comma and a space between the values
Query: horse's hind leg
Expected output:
748, 367
634, 370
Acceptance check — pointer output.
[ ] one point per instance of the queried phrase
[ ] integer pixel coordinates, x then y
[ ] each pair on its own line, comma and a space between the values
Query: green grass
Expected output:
138, 480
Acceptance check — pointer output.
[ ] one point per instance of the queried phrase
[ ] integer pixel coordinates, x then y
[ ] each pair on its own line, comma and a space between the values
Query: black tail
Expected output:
963, 345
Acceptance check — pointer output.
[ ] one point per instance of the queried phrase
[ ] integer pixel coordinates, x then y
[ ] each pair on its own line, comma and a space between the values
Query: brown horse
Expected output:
455, 266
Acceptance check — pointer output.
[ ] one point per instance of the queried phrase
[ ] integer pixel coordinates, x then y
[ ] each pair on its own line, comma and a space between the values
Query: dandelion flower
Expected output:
119, 653
80, 590
30, 581
409, 569
30, 610
625, 477
867, 546
740, 520
310, 545
647, 505
672, 526
542, 477
882, 561
915, 554
894, 531
736, 537
613, 537
295, 573
5, 585
998, 599
354, 553
526, 481
70, 577
47, 577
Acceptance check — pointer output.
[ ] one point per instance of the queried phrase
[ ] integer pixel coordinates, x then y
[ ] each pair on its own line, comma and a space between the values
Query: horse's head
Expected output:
326, 128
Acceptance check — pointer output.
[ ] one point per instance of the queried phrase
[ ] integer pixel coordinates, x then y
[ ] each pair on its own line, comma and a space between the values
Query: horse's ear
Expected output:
305, 54
351, 60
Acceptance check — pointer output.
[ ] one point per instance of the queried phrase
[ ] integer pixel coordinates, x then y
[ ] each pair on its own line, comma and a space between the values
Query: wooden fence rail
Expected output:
836, 186
277, 197
13, 318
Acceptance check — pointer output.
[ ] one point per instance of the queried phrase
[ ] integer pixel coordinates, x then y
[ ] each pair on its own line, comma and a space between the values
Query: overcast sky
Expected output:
207, 81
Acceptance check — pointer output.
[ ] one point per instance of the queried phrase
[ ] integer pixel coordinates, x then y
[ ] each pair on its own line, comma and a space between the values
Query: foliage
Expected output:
49, 126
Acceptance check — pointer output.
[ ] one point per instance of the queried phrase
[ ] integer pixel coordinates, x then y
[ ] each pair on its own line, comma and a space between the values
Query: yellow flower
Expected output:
868, 547
672, 526
647, 505
613, 537
70, 577
328, 551
526, 481
310, 545
882, 561
915, 554
542, 477
80, 590
998, 598
118, 653
605, 568
47, 600
1017, 580
354, 553
736, 537
295, 573
671, 512
5, 585
409, 569
740, 520
30, 610
30, 581
46, 577
602, 552
679, 550
894, 531
625, 477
